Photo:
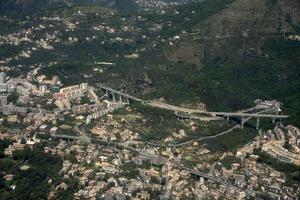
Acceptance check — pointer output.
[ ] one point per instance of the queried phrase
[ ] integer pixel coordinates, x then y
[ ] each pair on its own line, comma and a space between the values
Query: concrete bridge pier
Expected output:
114, 97
127, 100
181, 118
257, 123
227, 117
120, 98
242, 122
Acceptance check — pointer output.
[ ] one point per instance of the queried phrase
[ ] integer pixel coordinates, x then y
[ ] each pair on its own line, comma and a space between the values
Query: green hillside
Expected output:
228, 54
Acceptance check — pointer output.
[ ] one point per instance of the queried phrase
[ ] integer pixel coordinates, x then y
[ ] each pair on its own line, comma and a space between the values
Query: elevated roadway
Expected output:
190, 110
154, 158
70, 137
144, 155
113, 91
213, 114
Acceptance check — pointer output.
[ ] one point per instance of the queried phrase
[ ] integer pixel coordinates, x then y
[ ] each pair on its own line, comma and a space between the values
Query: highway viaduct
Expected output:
189, 111
70, 137
153, 158
115, 93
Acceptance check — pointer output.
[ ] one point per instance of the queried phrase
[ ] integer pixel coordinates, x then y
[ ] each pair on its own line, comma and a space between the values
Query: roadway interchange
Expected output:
221, 133
213, 114
190, 114
177, 109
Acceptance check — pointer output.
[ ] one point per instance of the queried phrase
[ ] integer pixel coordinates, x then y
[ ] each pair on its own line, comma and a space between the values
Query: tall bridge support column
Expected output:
114, 97
127, 100
242, 122
257, 123
106, 93
227, 117
120, 98
180, 118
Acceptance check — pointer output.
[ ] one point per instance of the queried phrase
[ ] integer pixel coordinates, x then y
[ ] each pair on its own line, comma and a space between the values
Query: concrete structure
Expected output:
71, 92
213, 115
3, 99
69, 137
4, 86
2, 77
42, 88
276, 150
86, 108
143, 195
114, 93
103, 111
10, 108
63, 104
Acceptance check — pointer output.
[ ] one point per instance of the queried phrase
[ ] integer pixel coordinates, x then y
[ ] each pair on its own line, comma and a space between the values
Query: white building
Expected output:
2, 77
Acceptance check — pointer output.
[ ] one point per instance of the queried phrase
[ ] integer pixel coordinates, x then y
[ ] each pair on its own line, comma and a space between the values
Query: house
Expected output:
143, 195
13, 147
53, 130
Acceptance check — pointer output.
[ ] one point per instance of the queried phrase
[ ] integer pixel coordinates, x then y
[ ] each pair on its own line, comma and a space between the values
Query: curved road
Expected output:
163, 105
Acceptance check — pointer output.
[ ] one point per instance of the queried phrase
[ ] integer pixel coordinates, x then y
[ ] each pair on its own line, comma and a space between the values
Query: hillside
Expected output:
28, 7
245, 52
149, 99
225, 54
25, 7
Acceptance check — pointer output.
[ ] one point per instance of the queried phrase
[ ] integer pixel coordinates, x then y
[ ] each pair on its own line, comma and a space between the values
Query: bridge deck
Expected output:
214, 114
82, 138
117, 92
190, 110
233, 114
